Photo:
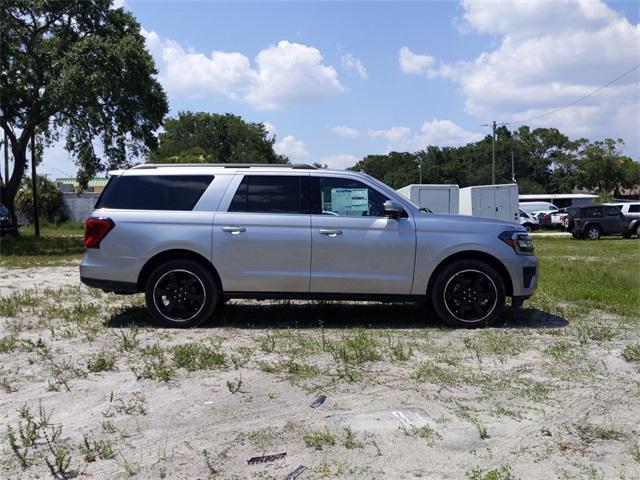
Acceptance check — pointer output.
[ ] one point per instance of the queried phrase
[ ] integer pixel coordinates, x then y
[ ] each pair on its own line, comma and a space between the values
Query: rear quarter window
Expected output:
154, 192
634, 208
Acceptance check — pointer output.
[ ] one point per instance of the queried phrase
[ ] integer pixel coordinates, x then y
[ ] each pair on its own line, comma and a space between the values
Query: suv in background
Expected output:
5, 221
191, 236
594, 221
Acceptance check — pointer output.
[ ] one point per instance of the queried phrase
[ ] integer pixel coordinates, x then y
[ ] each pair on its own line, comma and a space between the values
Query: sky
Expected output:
334, 81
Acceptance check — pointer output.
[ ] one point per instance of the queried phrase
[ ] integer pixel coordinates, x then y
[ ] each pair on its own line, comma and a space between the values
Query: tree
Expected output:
49, 200
196, 137
78, 69
601, 166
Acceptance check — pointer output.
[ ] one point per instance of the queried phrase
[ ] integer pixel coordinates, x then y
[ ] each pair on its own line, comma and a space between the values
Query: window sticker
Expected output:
350, 201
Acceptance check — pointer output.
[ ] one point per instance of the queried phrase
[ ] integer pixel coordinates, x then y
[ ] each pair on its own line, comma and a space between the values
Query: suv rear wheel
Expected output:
468, 293
181, 293
592, 232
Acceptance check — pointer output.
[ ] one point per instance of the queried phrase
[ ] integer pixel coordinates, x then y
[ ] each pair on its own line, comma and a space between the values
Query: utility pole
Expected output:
420, 170
493, 150
6, 159
513, 172
34, 187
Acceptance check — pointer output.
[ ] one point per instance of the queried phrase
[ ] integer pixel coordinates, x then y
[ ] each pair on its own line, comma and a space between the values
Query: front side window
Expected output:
611, 211
271, 194
346, 197
154, 192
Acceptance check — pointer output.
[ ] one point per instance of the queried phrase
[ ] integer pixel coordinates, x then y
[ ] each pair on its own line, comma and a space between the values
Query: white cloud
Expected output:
413, 63
285, 74
548, 55
339, 162
394, 134
271, 129
344, 131
349, 62
296, 150
441, 133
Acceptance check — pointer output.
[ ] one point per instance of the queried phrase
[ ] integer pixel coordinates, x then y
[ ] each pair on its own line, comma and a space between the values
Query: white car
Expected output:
543, 211
529, 221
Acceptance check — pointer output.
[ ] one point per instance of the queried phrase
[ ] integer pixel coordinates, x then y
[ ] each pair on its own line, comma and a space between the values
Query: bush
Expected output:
50, 201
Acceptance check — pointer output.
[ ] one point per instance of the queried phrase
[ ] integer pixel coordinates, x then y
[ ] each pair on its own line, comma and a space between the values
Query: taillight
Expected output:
96, 229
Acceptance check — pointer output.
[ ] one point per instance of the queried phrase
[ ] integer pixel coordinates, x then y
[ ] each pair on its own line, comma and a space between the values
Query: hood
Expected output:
464, 223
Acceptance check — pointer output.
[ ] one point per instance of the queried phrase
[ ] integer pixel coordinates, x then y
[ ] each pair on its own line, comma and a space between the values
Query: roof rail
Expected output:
297, 166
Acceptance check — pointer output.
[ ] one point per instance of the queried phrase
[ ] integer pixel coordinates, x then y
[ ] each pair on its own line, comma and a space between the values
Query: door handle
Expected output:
234, 230
330, 233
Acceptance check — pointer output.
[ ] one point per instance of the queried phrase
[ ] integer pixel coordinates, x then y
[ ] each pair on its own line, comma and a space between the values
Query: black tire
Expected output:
592, 232
181, 294
528, 226
468, 294
575, 236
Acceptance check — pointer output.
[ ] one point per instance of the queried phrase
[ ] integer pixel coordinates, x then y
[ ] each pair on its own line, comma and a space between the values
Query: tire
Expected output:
463, 308
592, 232
181, 294
528, 226
575, 236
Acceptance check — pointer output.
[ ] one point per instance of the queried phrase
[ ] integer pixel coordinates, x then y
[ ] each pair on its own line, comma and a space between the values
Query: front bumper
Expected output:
523, 270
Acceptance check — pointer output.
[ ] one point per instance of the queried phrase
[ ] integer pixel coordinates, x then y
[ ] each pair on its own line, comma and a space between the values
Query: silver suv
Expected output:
191, 236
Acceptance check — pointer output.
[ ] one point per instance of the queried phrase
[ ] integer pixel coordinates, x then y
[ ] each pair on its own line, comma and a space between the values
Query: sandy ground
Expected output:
548, 397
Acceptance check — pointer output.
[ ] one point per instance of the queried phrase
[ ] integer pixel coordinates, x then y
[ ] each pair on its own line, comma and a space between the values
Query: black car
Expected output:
5, 220
594, 221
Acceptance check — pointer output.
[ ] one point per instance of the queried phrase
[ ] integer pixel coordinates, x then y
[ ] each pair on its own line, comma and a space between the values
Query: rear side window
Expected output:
271, 194
591, 212
154, 192
634, 208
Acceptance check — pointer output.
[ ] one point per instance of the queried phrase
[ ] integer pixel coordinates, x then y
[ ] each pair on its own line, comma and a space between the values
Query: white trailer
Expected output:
437, 198
491, 201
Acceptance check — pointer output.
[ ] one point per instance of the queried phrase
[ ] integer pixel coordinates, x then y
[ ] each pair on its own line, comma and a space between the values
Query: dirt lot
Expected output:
100, 392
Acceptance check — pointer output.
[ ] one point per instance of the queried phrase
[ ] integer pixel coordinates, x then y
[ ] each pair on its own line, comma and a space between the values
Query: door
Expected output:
262, 242
612, 220
355, 248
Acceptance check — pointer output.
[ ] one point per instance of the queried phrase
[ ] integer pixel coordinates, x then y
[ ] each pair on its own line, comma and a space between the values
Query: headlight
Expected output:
521, 242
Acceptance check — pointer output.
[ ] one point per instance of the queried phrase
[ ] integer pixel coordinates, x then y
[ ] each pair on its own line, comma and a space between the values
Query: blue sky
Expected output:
338, 80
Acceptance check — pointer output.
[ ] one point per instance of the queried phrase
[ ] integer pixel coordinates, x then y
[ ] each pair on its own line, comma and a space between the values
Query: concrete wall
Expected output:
79, 207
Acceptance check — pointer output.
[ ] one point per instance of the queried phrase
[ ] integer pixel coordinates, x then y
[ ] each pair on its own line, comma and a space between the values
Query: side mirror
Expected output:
392, 210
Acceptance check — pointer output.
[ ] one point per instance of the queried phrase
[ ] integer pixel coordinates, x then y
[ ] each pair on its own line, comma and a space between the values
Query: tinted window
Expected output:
634, 208
591, 212
154, 192
611, 211
271, 194
346, 197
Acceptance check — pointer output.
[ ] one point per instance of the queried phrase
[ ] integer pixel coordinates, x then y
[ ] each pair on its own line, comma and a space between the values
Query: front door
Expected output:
355, 248
612, 220
262, 243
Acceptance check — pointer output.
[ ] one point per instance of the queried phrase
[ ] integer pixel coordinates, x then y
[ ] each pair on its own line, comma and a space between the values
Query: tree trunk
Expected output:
9, 190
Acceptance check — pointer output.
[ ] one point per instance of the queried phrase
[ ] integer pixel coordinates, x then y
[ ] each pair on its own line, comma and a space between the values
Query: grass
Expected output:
319, 439
196, 356
599, 274
57, 246
631, 353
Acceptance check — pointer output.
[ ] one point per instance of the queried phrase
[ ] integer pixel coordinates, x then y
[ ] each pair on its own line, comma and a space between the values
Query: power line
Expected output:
579, 99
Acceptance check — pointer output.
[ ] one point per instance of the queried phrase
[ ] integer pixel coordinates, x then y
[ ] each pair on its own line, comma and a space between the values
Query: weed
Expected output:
589, 432
399, 351
241, 357
464, 413
211, 467
427, 372
127, 339
298, 371
631, 353
597, 332
500, 473
267, 343
496, 343
8, 344
319, 439
195, 356
39, 347
101, 362
6, 382
426, 432
61, 374
108, 427
133, 406
635, 450
350, 439
17, 302
154, 365
93, 449
234, 386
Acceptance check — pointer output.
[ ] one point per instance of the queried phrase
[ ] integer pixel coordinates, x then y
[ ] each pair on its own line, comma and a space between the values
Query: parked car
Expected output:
191, 236
6, 226
528, 221
631, 210
556, 219
595, 221
543, 211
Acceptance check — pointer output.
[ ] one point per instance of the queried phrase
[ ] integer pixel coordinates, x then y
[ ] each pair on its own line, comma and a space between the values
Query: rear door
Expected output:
355, 248
262, 242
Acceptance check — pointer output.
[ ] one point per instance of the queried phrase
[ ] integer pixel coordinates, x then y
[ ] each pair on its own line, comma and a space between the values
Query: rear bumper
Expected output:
110, 285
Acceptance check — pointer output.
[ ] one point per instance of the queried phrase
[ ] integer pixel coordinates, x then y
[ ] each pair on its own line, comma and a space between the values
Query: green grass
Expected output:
58, 245
599, 274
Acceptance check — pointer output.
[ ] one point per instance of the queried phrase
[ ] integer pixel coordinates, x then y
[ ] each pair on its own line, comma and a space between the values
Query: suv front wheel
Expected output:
592, 232
468, 293
181, 293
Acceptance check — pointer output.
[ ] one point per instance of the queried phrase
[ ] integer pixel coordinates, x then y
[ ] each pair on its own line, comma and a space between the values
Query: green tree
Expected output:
79, 69
49, 200
195, 137
602, 167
